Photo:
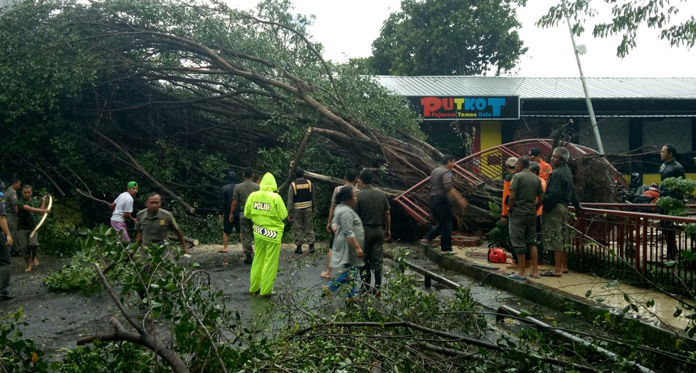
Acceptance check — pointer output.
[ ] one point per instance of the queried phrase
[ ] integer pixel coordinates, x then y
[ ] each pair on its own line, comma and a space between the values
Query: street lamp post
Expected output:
588, 101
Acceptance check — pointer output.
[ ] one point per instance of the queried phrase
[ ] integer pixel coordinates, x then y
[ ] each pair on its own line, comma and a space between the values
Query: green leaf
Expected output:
588, 293
670, 263
678, 312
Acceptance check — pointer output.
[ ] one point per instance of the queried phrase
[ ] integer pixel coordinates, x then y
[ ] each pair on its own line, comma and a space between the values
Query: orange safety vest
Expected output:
506, 195
545, 170
543, 187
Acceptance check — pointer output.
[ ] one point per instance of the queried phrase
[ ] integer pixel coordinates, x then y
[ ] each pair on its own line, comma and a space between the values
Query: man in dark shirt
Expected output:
4, 252
670, 167
373, 209
441, 191
241, 193
560, 192
526, 195
228, 225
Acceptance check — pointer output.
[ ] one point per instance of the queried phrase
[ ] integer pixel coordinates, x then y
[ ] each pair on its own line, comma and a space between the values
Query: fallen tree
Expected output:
131, 90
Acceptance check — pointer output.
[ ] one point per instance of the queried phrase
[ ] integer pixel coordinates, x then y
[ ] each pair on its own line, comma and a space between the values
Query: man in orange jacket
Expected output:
510, 164
545, 169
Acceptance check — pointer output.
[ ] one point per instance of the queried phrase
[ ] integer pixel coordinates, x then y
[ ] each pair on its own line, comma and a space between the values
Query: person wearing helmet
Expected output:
267, 212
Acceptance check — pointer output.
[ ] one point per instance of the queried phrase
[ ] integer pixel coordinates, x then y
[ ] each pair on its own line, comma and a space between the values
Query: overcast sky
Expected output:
347, 29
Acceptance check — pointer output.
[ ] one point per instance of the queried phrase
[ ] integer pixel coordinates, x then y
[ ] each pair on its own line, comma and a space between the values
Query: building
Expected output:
636, 115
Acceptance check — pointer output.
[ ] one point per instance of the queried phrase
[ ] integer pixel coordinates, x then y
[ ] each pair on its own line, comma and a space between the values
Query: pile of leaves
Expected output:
99, 245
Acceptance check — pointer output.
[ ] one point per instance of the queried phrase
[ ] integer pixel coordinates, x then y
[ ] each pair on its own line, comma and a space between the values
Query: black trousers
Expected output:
373, 253
441, 208
4, 265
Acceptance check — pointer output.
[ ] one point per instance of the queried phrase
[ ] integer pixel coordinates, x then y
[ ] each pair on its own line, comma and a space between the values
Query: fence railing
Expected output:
648, 244
482, 168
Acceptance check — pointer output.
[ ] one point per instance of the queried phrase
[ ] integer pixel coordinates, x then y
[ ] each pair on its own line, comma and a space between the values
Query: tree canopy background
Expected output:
449, 37
173, 94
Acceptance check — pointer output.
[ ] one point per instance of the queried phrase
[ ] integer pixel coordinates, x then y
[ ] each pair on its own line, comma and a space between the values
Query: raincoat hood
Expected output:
268, 182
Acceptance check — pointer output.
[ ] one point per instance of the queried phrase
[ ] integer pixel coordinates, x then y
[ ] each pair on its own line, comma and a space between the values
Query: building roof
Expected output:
541, 88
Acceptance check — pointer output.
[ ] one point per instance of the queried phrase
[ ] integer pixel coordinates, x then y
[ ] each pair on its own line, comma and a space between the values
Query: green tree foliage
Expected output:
449, 37
627, 16
172, 94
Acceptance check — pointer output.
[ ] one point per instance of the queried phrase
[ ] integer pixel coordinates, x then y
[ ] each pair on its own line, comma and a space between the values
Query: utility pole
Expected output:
588, 101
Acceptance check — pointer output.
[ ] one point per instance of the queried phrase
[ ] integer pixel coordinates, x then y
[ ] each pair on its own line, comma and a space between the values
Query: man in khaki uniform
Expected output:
300, 210
239, 198
153, 224
4, 253
373, 209
11, 200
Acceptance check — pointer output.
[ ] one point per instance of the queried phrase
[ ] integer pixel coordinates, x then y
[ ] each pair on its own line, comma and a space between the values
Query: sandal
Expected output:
223, 251
515, 277
549, 274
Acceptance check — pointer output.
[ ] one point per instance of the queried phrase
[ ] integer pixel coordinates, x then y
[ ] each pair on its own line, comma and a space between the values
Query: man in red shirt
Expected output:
545, 168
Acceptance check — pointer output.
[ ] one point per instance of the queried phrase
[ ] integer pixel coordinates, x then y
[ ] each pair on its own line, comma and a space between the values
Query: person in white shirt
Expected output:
122, 209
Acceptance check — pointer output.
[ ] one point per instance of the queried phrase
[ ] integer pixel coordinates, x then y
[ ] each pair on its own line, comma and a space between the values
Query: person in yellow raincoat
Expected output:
267, 212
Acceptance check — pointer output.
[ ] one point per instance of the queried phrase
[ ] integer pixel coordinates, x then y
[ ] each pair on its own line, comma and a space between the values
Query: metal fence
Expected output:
648, 245
482, 168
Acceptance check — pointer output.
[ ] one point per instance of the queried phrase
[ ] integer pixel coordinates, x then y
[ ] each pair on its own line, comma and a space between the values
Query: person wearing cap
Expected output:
442, 193
229, 218
11, 200
545, 169
122, 209
4, 252
239, 198
510, 164
535, 168
653, 192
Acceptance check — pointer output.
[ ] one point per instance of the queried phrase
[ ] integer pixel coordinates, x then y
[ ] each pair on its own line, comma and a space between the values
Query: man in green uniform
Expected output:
4, 253
301, 208
27, 208
267, 211
239, 198
373, 209
11, 200
153, 223
526, 196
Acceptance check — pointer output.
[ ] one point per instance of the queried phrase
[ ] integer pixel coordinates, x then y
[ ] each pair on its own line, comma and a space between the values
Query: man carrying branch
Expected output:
27, 208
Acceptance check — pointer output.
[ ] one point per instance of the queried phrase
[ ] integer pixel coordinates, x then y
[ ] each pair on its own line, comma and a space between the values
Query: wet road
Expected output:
58, 319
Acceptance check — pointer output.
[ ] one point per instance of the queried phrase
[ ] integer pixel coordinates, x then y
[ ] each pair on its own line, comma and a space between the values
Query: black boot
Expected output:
311, 248
299, 249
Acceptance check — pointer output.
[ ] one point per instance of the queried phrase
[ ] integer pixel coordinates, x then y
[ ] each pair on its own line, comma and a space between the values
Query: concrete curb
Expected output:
558, 300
